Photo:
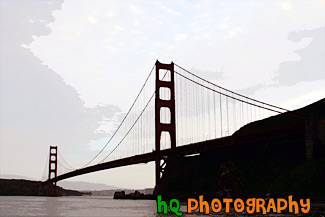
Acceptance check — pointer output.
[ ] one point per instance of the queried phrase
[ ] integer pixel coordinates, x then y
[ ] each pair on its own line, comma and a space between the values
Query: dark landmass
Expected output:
11, 176
276, 166
21, 187
133, 196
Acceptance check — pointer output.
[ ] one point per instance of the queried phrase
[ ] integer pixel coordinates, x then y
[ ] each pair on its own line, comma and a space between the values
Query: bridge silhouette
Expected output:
176, 113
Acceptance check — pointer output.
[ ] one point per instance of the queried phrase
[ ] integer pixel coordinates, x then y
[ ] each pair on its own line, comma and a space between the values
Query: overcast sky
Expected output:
68, 67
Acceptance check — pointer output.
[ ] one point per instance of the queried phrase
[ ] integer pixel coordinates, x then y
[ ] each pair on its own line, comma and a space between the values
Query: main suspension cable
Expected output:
122, 120
230, 90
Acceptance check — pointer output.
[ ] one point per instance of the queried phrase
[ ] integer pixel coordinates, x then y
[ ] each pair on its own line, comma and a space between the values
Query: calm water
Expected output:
91, 206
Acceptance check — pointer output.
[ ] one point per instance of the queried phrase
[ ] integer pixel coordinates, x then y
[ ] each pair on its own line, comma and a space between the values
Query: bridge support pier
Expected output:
162, 103
160, 168
53, 162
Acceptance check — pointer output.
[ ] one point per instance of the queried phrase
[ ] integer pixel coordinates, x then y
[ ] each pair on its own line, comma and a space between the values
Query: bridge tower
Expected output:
161, 103
53, 162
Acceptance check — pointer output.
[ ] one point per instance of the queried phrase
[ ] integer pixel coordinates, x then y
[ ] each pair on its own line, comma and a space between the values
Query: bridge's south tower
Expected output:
167, 70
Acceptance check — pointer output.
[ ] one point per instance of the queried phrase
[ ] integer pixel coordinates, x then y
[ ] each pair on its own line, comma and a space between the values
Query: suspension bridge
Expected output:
175, 113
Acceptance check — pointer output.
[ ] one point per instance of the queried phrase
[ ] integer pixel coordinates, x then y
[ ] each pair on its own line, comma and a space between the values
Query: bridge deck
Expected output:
194, 148
145, 158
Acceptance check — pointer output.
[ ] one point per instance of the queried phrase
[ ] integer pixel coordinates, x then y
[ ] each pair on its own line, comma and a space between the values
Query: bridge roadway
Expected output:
145, 158
263, 135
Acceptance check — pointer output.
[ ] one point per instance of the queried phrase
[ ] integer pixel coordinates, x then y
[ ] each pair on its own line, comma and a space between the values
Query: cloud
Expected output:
209, 75
37, 108
308, 67
311, 63
286, 6
92, 19
180, 37
249, 91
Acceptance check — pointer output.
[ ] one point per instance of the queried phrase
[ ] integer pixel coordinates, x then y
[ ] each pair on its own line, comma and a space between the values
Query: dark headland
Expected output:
21, 187
277, 166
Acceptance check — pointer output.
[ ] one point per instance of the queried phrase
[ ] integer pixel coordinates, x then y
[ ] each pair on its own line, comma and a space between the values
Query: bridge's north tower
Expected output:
53, 168
163, 103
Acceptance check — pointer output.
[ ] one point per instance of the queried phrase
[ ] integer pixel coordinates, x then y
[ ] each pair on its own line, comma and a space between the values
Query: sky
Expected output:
70, 68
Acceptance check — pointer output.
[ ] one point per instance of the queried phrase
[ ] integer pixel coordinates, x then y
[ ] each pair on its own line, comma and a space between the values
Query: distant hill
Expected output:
86, 186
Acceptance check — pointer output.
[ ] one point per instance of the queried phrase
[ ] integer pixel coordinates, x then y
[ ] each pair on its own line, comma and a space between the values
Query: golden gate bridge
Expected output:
175, 113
